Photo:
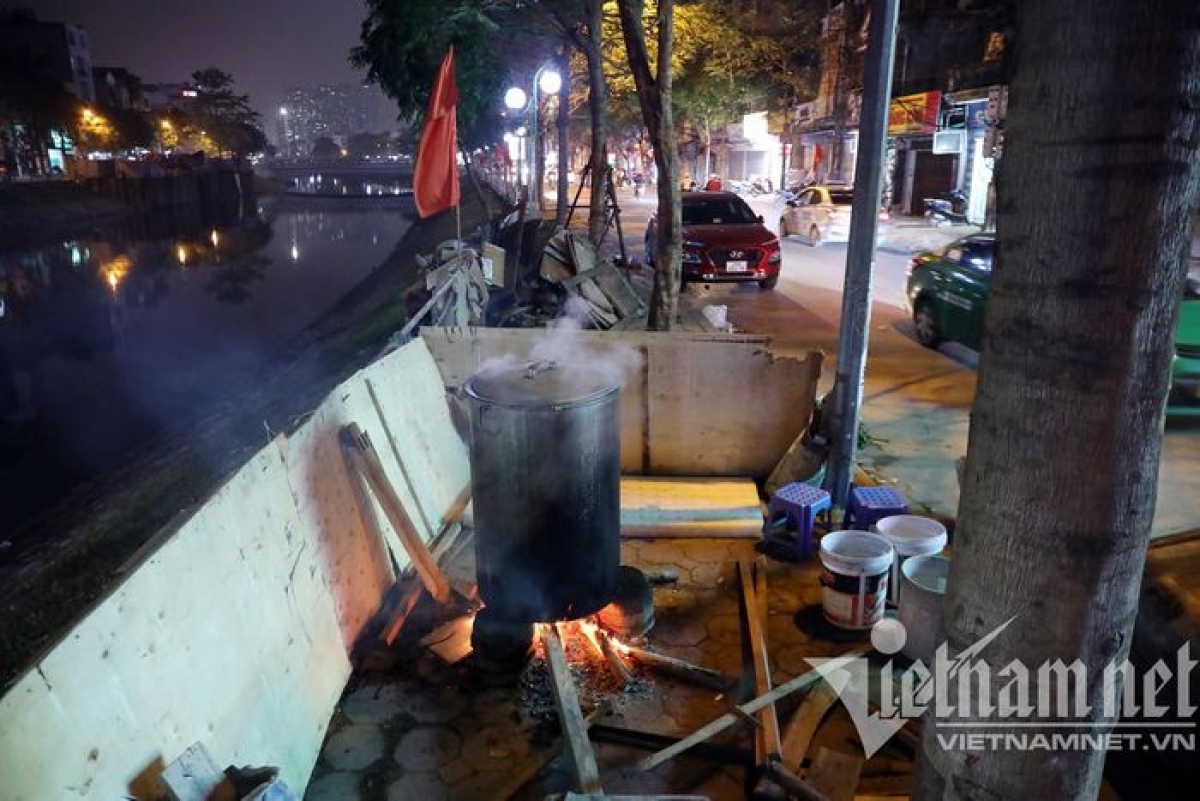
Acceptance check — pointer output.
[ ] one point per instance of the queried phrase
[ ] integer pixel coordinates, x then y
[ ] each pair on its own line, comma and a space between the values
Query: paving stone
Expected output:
479, 787
791, 661
493, 707
690, 710
706, 552
721, 784
709, 575
492, 745
678, 630
418, 786
725, 629
435, 706
334, 787
372, 704
673, 600
660, 552
354, 747
427, 748
456, 770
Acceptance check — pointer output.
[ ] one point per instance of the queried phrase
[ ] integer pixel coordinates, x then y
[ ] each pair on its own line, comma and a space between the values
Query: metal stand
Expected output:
612, 210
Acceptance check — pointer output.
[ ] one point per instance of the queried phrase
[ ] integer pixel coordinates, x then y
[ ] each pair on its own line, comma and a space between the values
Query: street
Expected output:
916, 402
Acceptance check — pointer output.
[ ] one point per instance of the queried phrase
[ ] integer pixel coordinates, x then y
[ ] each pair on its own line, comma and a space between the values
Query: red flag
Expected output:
818, 157
435, 183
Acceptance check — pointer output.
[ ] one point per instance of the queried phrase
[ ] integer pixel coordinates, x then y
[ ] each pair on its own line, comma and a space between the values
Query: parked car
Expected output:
819, 214
723, 240
947, 292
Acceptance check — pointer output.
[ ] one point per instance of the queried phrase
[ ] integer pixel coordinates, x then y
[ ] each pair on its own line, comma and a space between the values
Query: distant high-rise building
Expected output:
337, 112
61, 50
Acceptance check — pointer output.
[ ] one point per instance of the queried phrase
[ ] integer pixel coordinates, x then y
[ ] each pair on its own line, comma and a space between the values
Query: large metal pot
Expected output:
545, 470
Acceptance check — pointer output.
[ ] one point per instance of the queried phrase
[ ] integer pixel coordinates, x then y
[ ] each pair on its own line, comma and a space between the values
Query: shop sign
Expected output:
914, 114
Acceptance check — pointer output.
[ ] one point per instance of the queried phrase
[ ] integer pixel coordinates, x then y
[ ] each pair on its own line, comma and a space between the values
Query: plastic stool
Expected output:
869, 505
800, 504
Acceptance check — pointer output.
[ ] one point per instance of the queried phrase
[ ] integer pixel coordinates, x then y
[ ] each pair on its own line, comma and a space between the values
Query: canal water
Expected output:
112, 339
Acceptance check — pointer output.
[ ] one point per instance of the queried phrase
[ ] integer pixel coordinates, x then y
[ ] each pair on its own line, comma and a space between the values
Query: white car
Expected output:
819, 214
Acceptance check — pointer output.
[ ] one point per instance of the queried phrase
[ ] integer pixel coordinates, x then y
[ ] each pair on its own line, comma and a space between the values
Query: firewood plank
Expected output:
570, 716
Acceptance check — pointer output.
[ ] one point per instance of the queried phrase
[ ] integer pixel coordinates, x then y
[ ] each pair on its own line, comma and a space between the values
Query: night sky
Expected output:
267, 45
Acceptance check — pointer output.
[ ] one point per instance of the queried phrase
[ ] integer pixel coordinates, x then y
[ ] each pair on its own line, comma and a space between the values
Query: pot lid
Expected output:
544, 383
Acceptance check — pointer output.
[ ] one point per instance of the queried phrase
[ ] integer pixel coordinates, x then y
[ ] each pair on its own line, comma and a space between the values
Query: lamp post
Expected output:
285, 131
548, 81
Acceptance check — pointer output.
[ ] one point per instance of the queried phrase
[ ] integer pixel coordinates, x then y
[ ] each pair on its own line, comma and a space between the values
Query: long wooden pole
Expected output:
366, 462
750, 707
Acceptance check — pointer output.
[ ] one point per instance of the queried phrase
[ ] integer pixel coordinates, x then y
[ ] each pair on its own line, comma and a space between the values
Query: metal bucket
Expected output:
545, 470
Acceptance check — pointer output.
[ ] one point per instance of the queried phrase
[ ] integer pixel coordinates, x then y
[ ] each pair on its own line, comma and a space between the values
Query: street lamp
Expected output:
287, 137
548, 81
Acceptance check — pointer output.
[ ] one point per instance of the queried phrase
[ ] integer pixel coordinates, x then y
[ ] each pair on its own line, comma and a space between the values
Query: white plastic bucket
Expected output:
910, 535
921, 605
854, 581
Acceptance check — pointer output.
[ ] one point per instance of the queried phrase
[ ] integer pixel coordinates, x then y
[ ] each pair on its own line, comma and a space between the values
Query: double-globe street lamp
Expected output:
549, 82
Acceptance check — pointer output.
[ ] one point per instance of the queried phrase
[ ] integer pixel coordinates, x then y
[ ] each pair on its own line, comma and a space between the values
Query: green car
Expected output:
947, 291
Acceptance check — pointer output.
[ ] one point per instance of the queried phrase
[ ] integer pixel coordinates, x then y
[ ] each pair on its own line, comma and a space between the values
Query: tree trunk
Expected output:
654, 96
1095, 215
564, 122
597, 105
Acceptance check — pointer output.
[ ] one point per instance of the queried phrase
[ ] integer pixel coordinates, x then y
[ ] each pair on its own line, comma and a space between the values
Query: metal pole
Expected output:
860, 256
536, 168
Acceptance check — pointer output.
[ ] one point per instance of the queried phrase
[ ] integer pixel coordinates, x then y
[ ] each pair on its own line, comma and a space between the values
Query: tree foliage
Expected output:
404, 41
225, 118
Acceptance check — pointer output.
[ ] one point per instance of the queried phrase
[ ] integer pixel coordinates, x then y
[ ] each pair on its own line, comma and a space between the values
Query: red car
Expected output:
723, 240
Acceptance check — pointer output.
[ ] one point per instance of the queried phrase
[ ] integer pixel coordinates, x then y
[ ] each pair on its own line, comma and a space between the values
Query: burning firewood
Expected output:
604, 646
667, 665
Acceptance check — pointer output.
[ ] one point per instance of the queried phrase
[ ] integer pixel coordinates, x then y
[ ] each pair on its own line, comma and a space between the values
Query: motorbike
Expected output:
947, 207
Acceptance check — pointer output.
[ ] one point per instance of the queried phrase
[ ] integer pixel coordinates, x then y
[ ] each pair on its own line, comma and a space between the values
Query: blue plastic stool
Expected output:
800, 504
869, 505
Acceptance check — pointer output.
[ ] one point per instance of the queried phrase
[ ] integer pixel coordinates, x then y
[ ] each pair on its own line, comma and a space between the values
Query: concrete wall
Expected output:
235, 630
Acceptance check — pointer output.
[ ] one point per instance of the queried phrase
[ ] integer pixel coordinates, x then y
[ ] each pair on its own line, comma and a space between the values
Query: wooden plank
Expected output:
722, 723
834, 774
726, 411
570, 717
798, 734
676, 419
767, 735
690, 507
366, 463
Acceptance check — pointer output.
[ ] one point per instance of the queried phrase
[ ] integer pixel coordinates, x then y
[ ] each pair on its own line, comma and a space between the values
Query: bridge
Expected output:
289, 169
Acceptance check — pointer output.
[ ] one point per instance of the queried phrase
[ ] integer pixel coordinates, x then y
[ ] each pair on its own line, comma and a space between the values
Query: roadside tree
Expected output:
1095, 217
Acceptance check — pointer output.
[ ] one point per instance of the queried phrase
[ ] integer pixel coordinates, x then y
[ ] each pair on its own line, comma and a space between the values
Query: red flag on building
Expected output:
435, 183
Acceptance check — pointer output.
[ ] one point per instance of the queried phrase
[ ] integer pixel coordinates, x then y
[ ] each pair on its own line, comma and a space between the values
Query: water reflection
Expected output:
342, 186
108, 340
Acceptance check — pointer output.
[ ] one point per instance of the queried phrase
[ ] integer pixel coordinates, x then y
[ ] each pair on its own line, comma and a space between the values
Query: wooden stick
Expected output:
797, 736
803, 725
754, 598
603, 646
366, 463
725, 721
673, 666
570, 718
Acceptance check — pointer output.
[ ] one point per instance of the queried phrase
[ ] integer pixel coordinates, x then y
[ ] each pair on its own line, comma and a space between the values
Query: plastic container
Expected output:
920, 611
854, 581
910, 535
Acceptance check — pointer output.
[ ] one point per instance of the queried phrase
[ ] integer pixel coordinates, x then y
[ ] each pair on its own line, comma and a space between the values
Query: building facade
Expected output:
60, 49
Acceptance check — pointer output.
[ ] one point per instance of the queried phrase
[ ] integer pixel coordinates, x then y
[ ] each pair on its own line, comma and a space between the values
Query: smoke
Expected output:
584, 364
